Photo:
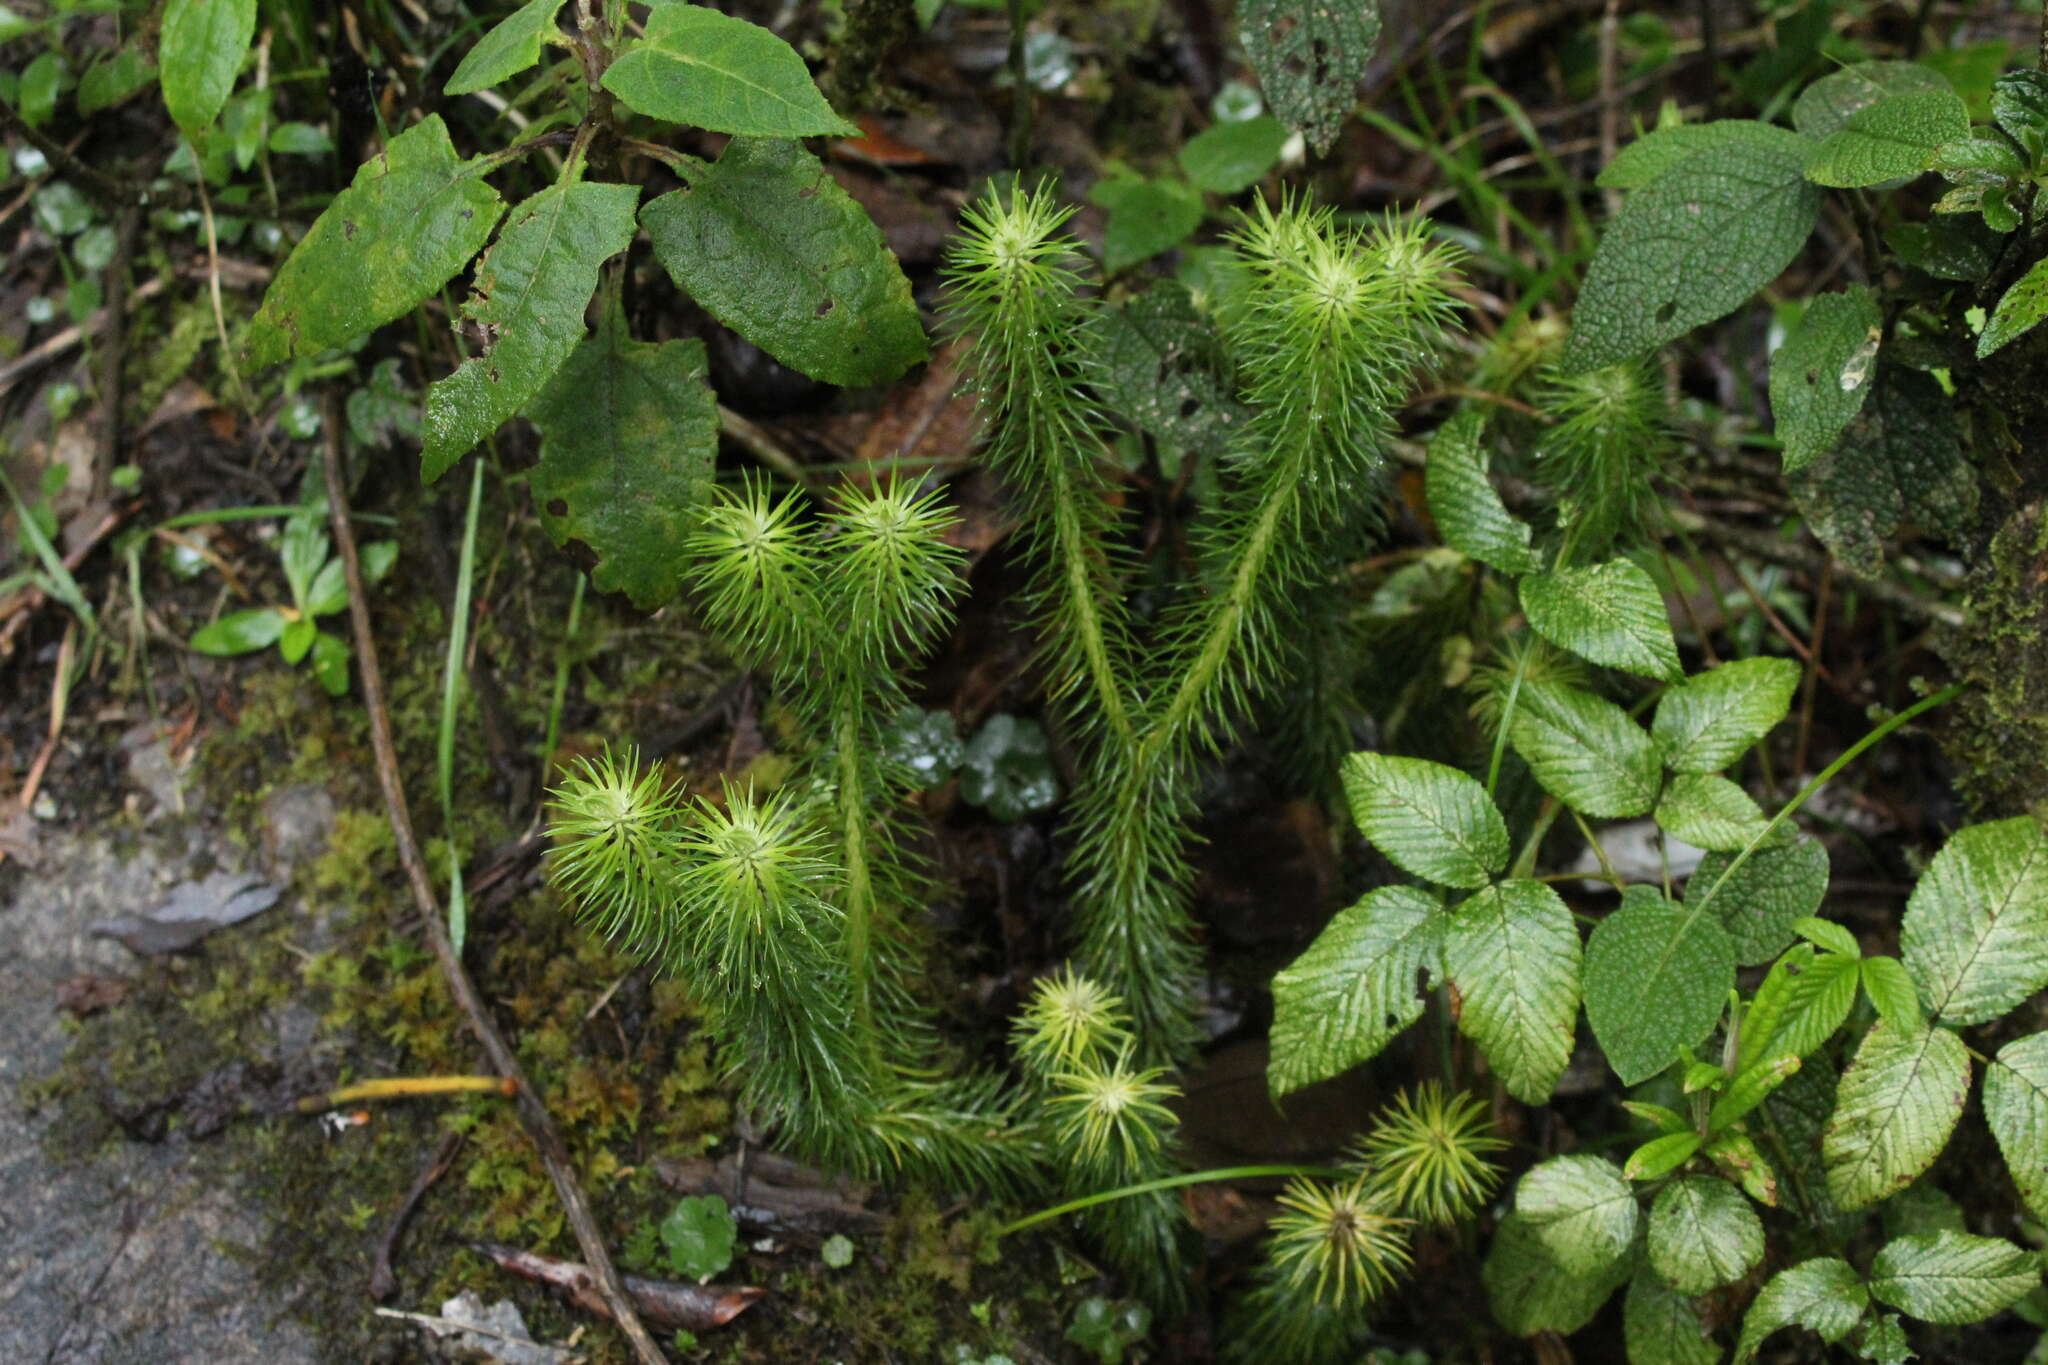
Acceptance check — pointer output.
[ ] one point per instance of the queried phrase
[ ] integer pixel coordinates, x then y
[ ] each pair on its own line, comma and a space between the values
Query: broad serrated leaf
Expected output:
1921, 1210
1530, 1292
1146, 217
1469, 513
1759, 901
1890, 140
772, 247
1709, 812
1665, 149
1891, 991
1953, 1277
1662, 1327
1824, 1296
1703, 1234
1585, 750
1430, 820
414, 216
1309, 56
1357, 986
1894, 1110
1953, 248
1228, 157
1881, 1340
1798, 1006
511, 46
1657, 976
709, 70
199, 51
1901, 459
1822, 374
2019, 309
1692, 246
1975, 934
1828, 104
629, 434
1609, 613
1157, 363
2016, 1108
1512, 952
2019, 102
1582, 1210
1711, 719
530, 294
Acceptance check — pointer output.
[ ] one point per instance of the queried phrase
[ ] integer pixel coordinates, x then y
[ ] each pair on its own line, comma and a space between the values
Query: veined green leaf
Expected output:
1665, 149
1608, 613
1228, 157
512, 45
200, 52
1657, 975
1711, 719
1750, 1089
1736, 1157
1585, 750
1581, 1209
530, 295
1661, 1155
1158, 363
1309, 58
1975, 934
1356, 987
1825, 106
1513, 952
1952, 1277
1661, 1326
2019, 102
1703, 1234
2019, 309
1708, 811
240, 632
1891, 139
1799, 1004
1430, 820
413, 217
1530, 1292
1758, 902
773, 248
1693, 245
1146, 217
1894, 1110
1891, 991
1823, 1295
629, 433
1473, 519
2016, 1108
1822, 374
709, 70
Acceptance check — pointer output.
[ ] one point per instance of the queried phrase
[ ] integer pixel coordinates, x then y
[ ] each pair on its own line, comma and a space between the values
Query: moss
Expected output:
1997, 734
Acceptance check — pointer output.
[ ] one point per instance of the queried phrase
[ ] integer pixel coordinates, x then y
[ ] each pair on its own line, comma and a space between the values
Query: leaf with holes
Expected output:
1709, 812
1608, 613
200, 51
1158, 364
1357, 986
1894, 1110
1469, 513
1825, 1296
1582, 1209
1512, 952
629, 433
1430, 820
1662, 1327
1703, 1234
1585, 750
511, 46
1975, 932
530, 294
1657, 976
2016, 1108
1146, 217
1309, 56
1693, 245
1710, 720
698, 67
1892, 139
1822, 374
772, 247
413, 217
1952, 1277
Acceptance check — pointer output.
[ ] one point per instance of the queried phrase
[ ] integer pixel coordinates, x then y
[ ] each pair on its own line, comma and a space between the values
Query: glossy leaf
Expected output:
240, 632
698, 67
1703, 1234
773, 248
1827, 105
1581, 1209
1657, 976
1709, 812
1953, 1277
629, 433
1358, 985
1469, 513
2019, 103
1759, 901
1430, 820
1660, 1326
413, 217
1691, 246
1825, 1296
1894, 1110
1890, 140
1750, 1089
1661, 1155
1975, 932
2019, 309
1228, 157
513, 44
2016, 1108
1309, 57
1512, 952
1585, 750
200, 51
1822, 374
530, 295
1609, 613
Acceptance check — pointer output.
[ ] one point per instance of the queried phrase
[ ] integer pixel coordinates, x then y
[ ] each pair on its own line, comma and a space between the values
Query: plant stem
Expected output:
1169, 1182
859, 908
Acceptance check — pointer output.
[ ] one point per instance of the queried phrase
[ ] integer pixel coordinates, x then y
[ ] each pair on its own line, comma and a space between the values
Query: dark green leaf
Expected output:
1975, 932
629, 432
1582, 1211
1309, 56
1756, 905
1896, 1106
1827, 105
1953, 1277
699, 67
1890, 140
330, 664
1609, 613
699, 1234
773, 248
1710, 720
1356, 987
1468, 511
1662, 1327
2019, 309
1657, 977
1822, 374
1229, 157
1703, 1234
413, 218
2019, 101
1158, 364
240, 632
1430, 820
1650, 156
1146, 217
200, 51
1585, 750
1951, 248
511, 46
1824, 1296
1530, 1292
1007, 769
1512, 952
112, 79
300, 139
531, 291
